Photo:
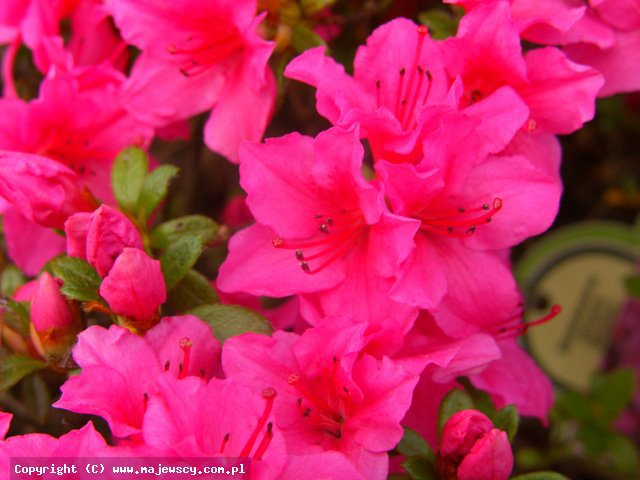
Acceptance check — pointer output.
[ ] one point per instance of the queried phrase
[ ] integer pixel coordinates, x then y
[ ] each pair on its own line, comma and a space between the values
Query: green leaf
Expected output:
18, 316
81, 281
454, 401
622, 453
36, 397
419, 468
155, 187
441, 24
481, 400
507, 419
633, 285
179, 257
303, 38
14, 368
227, 321
413, 445
544, 475
169, 232
192, 291
309, 7
612, 392
10, 280
127, 177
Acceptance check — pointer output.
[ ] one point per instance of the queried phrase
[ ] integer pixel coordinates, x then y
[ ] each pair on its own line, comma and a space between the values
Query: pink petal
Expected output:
134, 286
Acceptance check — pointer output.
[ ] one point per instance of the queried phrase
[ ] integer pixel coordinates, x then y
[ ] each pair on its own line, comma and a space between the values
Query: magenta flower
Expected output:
486, 53
134, 287
100, 237
472, 449
55, 322
119, 368
465, 221
221, 418
188, 67
29, 245
516, 379
330, 394
77, 124
399, 77
42, 190
85, 442
337, 241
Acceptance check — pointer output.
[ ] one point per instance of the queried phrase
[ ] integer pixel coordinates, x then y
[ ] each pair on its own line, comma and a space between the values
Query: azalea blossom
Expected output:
330, 394
188, 67
119, 368
399, 77
337, 242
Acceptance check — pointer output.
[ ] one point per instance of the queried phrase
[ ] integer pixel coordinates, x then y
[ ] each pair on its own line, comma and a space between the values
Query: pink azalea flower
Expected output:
29, 245
85, 442
472, 449
330, 394
534, 16
119, 368
516, 379
135, 287
398, 77
100, 237
465, 220
32, 19
42, 190
187, 67
337, 241
221, 418
486, 53
92, 42
77, 125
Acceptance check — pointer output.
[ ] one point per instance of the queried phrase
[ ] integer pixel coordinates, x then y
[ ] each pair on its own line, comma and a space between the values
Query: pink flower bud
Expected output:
54, 322
109, 232
472, 449
76, 227
43, 190
135, 286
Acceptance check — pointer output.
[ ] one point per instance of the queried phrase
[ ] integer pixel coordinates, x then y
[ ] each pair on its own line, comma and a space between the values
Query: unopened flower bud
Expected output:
54, 322
135, 287
472, 449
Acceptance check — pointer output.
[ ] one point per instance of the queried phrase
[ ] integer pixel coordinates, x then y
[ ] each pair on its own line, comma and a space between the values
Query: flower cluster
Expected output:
387, 235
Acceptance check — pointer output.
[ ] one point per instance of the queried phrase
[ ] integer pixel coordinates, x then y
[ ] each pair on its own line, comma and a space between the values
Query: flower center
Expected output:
326, 409
335, 236
268, 394
411, 90
459, 223
196, 54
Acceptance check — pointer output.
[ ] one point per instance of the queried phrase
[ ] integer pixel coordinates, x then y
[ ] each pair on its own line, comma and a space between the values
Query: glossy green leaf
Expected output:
14, 368
10, 280
155, 188
507, 419
303, 38
227, 321
454, 401
192, 291
81, 281
612, 392
127, 177
169, 232
179, 257
545, 475
419, 468
413, 445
